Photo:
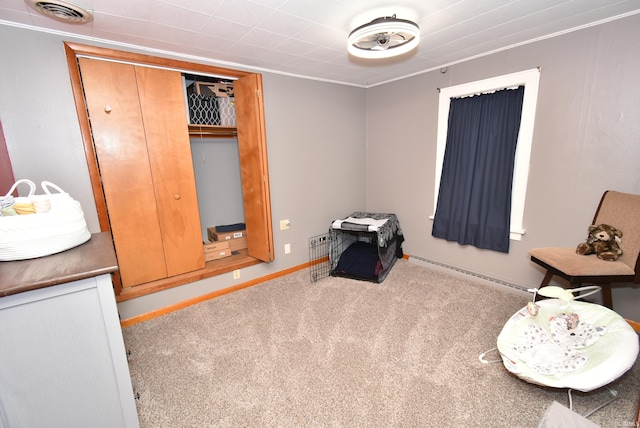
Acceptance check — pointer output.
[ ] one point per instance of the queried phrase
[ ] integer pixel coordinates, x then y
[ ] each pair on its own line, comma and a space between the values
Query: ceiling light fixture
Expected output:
384, 37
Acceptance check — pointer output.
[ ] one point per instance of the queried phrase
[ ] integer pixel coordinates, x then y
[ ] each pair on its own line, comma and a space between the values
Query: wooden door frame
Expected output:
72, 52
6, 170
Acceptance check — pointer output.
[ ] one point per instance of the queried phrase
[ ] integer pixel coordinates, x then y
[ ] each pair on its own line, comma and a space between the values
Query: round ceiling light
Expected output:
384, 37
61, 11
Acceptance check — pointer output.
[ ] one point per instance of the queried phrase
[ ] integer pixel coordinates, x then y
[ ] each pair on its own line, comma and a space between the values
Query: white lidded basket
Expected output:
30, 236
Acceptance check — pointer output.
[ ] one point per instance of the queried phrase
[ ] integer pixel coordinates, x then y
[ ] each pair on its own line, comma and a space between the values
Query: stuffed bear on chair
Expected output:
603, 241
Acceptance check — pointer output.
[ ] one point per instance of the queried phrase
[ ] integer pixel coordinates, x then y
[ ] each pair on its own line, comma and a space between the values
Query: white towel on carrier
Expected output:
372, 224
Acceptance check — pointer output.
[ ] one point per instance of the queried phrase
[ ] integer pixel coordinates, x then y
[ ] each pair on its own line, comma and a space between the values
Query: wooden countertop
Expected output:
94, 257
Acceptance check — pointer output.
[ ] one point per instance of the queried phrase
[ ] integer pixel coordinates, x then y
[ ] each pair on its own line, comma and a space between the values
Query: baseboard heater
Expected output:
469, 273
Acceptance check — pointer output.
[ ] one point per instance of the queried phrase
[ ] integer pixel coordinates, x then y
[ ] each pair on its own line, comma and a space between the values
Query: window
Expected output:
529, 79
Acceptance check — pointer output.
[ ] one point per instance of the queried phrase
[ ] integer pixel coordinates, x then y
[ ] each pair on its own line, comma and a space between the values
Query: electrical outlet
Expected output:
284, 224
287, 248
236, 274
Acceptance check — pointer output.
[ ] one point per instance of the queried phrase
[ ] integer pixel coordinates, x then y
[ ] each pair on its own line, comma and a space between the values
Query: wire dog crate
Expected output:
319, 264
325, 250
351, 250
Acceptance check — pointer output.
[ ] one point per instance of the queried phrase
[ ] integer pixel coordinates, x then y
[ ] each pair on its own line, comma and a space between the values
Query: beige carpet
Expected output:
345, 353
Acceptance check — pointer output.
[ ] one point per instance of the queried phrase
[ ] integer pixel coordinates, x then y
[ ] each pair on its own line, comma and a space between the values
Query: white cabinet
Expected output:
62, 358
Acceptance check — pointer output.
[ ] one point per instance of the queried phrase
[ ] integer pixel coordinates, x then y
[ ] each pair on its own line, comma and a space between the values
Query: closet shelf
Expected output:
212, 131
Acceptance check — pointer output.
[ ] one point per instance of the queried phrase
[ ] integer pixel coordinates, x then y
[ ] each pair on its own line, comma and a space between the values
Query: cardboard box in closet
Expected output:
237, 239
216, 250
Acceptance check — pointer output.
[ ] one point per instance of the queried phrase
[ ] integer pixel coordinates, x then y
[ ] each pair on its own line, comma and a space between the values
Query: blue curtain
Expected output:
474, 200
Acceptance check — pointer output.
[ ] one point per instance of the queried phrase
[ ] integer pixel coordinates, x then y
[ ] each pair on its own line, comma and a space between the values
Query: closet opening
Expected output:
216, 164
193, 176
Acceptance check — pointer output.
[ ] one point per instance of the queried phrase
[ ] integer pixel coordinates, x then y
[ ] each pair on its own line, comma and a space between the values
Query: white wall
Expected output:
216, 166
39, 117
316, 150
334, 149
585, 142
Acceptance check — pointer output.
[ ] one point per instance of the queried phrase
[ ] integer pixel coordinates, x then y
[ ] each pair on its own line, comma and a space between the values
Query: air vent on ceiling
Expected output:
61, 11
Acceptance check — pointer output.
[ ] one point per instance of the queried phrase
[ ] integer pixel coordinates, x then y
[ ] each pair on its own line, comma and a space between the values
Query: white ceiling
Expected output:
308, 37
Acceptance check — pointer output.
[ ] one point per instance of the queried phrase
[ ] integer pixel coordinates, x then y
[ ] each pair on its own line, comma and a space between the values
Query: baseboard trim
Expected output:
466, 273
186, 303
634, 324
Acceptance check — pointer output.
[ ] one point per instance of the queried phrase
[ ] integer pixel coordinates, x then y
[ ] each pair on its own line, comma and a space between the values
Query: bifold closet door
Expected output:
254, 170
139, 126
164, 112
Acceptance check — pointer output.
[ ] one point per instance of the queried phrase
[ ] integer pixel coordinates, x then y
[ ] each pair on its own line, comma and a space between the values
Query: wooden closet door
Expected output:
166, 128
113, 106
6, 170
254, 170
139, 124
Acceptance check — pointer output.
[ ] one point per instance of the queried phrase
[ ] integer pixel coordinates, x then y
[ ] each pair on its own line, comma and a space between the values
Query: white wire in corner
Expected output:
483, 359
614, 396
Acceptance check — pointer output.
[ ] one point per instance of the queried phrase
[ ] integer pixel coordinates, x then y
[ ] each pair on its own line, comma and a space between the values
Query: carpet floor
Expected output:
346, 353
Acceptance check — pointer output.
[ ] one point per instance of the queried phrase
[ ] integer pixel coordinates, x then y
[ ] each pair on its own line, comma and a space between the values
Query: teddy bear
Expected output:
603, 241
